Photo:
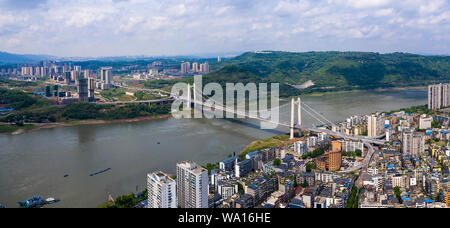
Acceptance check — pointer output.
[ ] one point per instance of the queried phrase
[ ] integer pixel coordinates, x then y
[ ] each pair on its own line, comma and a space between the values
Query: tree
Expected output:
240, 188
398, 193
310, 167
277, 162
126, 201
435, 124
305, 184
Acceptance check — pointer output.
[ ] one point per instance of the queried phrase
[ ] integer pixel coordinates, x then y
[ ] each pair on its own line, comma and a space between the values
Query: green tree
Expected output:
305, 184
277, 162
240, 188
126, 201
398, 193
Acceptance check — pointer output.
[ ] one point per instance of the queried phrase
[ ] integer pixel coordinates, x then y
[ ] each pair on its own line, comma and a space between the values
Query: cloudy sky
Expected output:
175, 27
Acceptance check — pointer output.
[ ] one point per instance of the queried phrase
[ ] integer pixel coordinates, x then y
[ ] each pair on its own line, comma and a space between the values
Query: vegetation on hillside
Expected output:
15, 99
12, 83
333, 71
29, 109
143, 96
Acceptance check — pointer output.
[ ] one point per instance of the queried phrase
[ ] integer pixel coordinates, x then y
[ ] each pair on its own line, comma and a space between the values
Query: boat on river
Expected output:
100, 172
36, 202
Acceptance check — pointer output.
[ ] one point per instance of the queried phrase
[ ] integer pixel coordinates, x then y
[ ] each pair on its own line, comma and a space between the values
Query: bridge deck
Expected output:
318, 130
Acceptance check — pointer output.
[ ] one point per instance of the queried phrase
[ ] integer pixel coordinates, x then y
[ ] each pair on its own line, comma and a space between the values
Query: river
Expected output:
34, 163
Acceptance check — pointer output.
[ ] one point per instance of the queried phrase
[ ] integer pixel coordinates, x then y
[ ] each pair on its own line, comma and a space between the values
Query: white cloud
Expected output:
154, 27
362, 4
384, 12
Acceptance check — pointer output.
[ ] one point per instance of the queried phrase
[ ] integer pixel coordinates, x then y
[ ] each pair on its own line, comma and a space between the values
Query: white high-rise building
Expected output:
192, 185
322, 137
301, 148
351, 146
438, 96
204, 68
372, 126
413, 144
185, 67
162, 192
195, 67
106, 77
375, 126
311, 141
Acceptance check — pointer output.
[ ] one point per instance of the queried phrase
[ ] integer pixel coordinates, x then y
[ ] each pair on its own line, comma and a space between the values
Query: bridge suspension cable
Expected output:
258, 112
306, 105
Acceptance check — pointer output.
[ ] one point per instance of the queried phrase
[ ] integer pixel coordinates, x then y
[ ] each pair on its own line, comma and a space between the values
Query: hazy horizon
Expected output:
107, 28
208, 55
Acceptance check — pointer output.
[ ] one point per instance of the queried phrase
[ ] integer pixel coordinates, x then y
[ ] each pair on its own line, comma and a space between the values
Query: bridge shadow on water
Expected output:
243, 122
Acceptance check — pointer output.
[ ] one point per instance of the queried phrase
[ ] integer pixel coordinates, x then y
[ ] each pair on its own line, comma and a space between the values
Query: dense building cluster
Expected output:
316, 170
196, 68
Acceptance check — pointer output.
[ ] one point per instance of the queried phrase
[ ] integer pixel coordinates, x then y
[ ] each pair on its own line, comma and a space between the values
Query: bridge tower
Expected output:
195, 92
299, 115
292, 118
299, 111
189, 95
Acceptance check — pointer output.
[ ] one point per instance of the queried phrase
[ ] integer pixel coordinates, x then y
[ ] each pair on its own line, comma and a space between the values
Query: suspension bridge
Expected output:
199, 101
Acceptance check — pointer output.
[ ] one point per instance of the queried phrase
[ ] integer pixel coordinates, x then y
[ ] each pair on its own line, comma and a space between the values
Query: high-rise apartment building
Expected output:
83, 90
44, 71
334, 160
195, 67
86, 73
74, 76
204, 68
161, 191
351, 146
438, 96
413, 143
372, 126
27, 71
192, 185
106, 77
447, 199
331, 160
375, 126
185, 67
91, 89
67, 78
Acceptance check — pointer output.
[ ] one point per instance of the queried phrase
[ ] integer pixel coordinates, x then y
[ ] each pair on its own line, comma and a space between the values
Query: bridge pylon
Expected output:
299, 115
189, 96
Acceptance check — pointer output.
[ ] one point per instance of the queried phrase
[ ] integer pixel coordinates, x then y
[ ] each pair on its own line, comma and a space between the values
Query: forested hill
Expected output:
333, 70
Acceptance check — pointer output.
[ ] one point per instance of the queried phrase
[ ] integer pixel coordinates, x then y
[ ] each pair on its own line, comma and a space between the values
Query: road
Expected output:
366, 161
367, 140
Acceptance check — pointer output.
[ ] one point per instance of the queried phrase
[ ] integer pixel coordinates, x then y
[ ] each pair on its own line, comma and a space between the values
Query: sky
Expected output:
173, 27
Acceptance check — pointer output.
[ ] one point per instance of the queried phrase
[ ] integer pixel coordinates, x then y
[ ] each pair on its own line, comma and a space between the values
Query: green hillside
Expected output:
332, 71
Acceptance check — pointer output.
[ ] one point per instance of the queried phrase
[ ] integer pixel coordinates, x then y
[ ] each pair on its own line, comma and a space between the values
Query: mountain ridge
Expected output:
10, 58
332, 70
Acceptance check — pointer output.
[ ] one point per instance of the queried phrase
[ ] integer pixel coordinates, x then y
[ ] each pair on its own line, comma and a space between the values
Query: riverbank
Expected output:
39, 126
319, 94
